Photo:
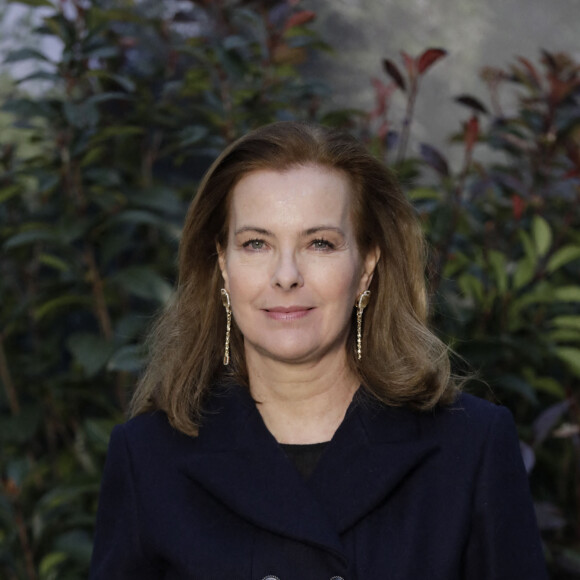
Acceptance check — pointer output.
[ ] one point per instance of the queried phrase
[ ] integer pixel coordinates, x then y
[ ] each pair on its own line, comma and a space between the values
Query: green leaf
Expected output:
76, 544
549, 385
98, 431
192, 135
30, 237
123, 81
54, 262
117, 131
145, 283
22, 427
563, 256
529, 246
517, 385
104, 97
129, 358
542, 234
567, 294
50, 563
471, 286
46, 3
81, 115
571, 356
142, 217
25, 54
159, 199
498, 263
564, 335
40, 75
568, 321
419, 193
9, 192
91, 351
60, 302
524, 272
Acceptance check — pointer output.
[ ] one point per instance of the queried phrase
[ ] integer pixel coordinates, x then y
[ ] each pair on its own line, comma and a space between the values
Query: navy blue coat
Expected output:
397, 495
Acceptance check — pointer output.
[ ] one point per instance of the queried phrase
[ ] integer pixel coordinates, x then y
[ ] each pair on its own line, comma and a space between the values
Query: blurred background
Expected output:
110, 111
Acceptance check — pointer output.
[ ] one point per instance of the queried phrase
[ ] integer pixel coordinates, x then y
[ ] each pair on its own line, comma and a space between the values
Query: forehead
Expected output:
302, 194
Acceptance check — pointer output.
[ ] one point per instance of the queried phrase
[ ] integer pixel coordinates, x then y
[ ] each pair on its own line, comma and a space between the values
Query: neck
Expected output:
301, 403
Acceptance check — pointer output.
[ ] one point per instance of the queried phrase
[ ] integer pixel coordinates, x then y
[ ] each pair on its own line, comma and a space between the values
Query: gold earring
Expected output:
361, 304
227, 305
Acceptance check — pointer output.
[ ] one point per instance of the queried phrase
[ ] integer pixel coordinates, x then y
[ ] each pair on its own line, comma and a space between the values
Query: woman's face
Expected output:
292, 266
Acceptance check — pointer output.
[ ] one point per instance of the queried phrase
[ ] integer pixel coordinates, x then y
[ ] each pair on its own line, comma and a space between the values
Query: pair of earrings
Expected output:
361, 304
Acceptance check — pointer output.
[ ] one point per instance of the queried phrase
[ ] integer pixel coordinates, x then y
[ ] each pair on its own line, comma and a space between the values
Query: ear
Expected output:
369, 265
222, 265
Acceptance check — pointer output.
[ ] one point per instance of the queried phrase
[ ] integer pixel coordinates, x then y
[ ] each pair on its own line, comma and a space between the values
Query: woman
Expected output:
297, 420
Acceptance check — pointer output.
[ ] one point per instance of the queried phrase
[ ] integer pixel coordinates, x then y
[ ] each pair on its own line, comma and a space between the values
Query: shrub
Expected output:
505, 263
92, 199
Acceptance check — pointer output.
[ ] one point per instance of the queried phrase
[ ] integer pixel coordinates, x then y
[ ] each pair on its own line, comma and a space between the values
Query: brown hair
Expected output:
403, 362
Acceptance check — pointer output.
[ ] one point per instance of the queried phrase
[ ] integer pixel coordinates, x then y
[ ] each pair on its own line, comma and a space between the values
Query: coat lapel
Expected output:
237, 460
372, 452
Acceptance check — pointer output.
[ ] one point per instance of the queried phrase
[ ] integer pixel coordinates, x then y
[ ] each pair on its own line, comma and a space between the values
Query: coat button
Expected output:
269, 577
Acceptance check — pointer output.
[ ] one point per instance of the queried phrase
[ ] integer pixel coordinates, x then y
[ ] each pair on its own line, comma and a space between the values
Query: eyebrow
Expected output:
307, 232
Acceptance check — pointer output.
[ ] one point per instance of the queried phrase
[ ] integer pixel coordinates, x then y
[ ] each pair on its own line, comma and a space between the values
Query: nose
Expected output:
287, 274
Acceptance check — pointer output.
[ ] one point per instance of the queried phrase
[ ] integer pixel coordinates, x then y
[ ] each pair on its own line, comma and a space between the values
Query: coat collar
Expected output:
239, 462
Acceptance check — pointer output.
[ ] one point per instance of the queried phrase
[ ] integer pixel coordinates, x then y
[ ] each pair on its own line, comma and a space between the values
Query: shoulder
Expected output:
471, 423
470, 412
150, 434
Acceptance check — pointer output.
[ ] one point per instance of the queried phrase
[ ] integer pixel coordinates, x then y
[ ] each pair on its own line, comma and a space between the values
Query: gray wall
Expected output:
476, 33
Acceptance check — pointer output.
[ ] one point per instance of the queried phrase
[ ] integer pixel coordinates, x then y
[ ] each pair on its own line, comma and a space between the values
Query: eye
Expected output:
254, 244
321, 244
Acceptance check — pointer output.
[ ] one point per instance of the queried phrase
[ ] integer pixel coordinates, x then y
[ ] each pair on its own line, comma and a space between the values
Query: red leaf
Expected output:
300, 18
532, 72
559, 89
429, 58
382, 94
383, 130
410, 64
471, 132
393, 71
518, 206
472, 103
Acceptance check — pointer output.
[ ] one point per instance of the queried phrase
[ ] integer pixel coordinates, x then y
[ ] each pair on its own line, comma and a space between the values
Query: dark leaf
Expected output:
145, 283
91, 351
549, 60
549, 516
472, 103
435, 159
547, 420
528, 456
393, 71
24, 54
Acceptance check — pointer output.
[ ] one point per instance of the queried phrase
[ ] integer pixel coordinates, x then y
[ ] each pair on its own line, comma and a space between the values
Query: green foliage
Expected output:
92, 198
505, 263
98, 170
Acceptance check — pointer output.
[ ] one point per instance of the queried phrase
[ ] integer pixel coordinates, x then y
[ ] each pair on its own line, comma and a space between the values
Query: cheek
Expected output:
244, 284
340, 282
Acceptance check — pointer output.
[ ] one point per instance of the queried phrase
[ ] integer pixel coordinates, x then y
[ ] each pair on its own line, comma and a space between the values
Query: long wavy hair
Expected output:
403, 362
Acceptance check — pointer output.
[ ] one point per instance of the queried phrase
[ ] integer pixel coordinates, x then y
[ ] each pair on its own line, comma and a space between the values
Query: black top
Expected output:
304, 457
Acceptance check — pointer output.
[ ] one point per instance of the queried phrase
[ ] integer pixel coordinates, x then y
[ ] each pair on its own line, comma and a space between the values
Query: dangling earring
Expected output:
227, 306
361, 304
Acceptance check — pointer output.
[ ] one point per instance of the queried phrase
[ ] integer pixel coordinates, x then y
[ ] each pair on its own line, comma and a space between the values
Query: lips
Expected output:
288, 312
